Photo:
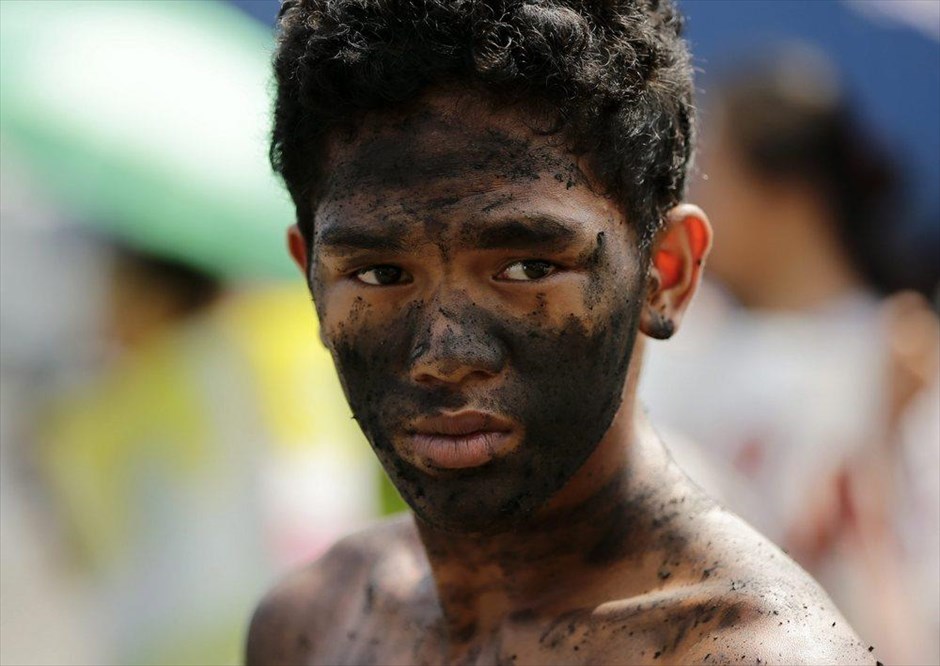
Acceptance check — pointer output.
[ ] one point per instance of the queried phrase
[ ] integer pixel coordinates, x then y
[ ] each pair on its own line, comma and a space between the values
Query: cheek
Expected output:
362, 363
369, 341
615, 279
348, 314
596, 351
580, 337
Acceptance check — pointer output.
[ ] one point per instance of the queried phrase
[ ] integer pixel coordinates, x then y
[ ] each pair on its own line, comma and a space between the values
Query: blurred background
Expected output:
172, 435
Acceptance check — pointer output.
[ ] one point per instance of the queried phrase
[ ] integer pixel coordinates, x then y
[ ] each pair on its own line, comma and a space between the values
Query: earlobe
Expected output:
676, 263
657, 325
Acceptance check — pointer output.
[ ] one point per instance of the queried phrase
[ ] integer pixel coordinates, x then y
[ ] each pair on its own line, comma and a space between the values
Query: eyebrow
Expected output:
339, 238
543, 231
530, 232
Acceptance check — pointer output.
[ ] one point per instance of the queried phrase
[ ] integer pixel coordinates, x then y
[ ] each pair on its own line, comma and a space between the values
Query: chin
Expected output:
493, 499
472, 520
472, 523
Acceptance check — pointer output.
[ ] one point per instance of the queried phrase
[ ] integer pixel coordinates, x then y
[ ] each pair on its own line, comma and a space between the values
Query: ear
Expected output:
297, 245
298, 249
676, 262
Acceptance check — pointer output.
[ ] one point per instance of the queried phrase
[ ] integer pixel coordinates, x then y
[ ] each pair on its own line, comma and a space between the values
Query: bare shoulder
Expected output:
732, 597
312, 606
769, 610
758, 637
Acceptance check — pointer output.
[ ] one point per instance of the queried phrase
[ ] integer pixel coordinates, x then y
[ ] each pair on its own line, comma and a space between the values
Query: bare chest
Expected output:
571, 639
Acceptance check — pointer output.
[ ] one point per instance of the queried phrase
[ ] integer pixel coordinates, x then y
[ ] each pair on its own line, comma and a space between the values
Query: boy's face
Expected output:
480, 300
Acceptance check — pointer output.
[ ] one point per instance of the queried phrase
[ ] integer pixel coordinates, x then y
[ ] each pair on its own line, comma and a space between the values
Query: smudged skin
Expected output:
579, 542
455, 335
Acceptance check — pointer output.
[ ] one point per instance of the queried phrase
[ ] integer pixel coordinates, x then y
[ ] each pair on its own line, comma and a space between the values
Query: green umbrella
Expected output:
150, 120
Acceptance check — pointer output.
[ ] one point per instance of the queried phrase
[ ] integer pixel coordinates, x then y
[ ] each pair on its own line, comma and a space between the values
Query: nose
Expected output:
455, 348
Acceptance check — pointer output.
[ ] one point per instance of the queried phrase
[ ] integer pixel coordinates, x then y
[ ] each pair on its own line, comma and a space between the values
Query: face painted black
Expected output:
549, 355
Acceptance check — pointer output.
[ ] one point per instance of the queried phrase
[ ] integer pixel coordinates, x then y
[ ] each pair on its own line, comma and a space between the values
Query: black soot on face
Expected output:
562, 385
559, 377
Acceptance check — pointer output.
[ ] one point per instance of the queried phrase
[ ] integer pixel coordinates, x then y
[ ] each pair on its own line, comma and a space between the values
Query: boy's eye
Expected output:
382, 275
531, 269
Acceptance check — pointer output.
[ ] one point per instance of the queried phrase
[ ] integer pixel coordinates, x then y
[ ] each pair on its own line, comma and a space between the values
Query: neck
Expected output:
563, 557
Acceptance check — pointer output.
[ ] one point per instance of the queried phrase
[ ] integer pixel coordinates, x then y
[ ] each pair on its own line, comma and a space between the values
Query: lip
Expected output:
460, 441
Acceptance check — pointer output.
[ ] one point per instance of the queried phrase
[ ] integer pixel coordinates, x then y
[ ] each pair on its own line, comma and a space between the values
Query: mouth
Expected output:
459, 441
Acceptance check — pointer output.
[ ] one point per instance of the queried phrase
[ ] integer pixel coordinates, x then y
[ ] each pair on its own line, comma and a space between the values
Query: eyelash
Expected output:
552, 268
357, 275
404, 277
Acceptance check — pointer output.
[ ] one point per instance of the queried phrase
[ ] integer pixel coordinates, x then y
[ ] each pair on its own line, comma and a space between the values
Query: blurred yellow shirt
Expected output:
205, 464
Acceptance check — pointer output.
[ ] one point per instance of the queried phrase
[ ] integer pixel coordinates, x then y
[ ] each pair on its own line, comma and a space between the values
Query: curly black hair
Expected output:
614, 76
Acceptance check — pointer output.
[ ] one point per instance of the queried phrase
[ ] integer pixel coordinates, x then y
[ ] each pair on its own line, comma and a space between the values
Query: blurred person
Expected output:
151, 293
488, 202
45, 343
795, 375
215, 450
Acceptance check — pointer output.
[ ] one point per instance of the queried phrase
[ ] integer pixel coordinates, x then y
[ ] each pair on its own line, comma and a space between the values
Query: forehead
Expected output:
447, 136
454, 154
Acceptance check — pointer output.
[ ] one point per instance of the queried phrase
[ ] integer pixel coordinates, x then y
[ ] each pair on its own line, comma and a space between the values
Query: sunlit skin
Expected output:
463, 264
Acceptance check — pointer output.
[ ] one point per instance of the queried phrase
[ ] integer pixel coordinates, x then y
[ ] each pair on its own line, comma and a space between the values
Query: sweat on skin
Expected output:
462, 261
